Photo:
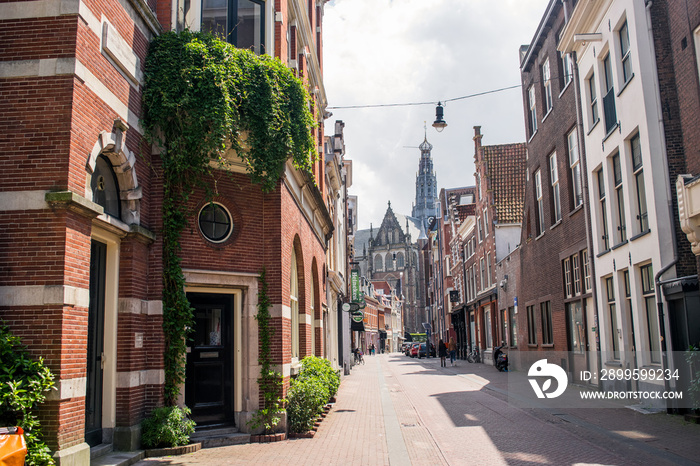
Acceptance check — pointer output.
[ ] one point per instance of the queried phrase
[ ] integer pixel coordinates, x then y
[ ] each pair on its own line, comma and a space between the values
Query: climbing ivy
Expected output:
201, 97
270, 381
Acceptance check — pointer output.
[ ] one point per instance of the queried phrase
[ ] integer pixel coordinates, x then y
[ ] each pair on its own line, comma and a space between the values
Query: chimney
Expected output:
477, 139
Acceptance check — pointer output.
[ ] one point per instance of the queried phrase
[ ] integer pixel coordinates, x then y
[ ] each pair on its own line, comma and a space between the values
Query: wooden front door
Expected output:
95, 347
209, 383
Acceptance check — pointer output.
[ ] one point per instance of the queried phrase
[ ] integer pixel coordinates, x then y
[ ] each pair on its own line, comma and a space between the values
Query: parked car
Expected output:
406, 348
414, 350
422, 351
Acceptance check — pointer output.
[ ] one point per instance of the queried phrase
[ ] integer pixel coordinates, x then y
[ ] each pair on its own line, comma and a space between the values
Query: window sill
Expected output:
566, 86
590, 130
618, 245
531, 345
547, 114
555, 225
532, 136
576, 210
539, 236
624, 86
613, 363
644, 233
612, 130
548, 345
603, 253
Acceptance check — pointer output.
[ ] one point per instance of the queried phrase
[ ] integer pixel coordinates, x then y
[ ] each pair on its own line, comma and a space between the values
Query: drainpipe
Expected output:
586, 207
657, 278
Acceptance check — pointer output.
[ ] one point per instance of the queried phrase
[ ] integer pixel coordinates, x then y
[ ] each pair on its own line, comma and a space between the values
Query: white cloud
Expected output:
401, 51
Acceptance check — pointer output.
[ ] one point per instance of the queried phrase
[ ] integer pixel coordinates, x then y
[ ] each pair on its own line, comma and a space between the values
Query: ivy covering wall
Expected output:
201, 97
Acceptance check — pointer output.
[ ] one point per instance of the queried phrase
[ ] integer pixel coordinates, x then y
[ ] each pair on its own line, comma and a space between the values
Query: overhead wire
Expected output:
432, 102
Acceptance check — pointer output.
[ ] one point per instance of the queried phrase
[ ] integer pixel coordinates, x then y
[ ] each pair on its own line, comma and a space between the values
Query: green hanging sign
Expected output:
355, 293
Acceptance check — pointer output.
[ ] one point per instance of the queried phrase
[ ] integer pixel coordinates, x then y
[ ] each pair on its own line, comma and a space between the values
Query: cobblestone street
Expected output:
397, 410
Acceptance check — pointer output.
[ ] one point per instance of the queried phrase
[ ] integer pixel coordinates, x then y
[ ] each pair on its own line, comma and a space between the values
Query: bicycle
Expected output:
474, 355
358, 357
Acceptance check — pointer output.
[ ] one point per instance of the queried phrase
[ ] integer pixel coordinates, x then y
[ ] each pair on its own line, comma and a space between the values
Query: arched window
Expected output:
388, 260
399, 260
313, 317
294, 304
105, 188
378, 263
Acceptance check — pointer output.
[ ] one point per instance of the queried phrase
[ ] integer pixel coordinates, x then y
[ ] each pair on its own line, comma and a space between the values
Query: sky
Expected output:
422, 51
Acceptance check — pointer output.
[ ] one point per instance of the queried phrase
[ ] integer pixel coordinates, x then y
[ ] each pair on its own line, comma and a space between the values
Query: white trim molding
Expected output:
40, 295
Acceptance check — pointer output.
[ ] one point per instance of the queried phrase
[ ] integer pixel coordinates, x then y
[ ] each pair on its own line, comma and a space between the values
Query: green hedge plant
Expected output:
168, 426
312, 389
321, 369
24, 383
306, 398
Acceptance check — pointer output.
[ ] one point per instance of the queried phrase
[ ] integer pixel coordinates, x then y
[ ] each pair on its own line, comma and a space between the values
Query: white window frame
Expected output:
547, 86
603, 210
618, 179
556, 195
567, 68
640, 185
594, 113
540, 202
533, 109
575, 166
486, 221
586, 272
294, 307
625, 54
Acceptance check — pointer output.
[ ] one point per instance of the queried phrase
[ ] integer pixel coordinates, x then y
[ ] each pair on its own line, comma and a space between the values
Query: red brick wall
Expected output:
541, 276
674, 23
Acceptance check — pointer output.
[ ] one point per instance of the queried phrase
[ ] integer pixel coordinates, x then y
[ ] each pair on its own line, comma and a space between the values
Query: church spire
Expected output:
426, 184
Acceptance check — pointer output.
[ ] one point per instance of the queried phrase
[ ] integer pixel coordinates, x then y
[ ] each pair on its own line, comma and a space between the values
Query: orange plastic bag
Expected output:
13, 447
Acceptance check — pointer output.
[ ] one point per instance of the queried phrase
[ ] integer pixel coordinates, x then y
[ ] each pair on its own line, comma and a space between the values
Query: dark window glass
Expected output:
215, 223
105, 188
240, 22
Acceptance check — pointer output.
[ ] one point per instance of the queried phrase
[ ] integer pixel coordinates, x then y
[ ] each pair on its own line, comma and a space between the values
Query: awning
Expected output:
357, 326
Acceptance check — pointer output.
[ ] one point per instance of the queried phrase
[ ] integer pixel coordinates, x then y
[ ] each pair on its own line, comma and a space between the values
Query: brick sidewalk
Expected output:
353, 433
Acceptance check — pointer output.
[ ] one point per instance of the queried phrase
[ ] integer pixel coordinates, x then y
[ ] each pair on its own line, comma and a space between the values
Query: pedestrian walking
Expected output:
442, 352
452, 348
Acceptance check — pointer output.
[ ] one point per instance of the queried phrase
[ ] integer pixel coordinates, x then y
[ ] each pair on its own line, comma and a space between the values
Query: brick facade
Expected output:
66, 101
565, 233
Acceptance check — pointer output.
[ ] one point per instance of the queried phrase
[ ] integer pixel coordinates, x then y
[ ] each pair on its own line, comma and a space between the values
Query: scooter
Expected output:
501, 359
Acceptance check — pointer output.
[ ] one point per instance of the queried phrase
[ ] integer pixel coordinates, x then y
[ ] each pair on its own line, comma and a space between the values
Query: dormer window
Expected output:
105, 188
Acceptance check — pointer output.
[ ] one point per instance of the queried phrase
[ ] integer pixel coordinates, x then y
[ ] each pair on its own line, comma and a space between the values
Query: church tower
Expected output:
426, 186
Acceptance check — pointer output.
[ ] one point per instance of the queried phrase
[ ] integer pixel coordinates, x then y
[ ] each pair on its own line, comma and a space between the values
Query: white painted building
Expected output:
628, 176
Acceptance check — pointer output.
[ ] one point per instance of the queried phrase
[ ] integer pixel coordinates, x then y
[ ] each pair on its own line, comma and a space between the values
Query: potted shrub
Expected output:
167, 429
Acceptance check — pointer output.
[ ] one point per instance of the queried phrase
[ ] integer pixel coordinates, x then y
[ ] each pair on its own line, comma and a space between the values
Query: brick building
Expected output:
80, 211
677, 41
462, 215
453, 205
500, 186
556, 289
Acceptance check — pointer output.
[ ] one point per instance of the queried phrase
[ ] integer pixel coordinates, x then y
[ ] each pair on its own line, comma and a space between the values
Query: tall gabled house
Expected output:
556, 286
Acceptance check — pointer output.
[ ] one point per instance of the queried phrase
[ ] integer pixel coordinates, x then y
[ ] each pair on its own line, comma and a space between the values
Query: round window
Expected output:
215, 223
